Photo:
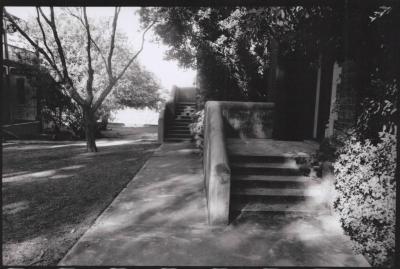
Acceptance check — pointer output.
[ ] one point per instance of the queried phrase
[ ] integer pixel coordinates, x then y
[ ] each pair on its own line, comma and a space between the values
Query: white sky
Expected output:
152, 55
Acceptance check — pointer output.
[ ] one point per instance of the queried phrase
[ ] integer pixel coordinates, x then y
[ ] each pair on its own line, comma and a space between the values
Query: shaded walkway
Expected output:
161, 219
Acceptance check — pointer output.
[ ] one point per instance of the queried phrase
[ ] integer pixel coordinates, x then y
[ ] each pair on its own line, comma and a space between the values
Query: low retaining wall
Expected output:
167, 114
216, 166
248, 119
223, 120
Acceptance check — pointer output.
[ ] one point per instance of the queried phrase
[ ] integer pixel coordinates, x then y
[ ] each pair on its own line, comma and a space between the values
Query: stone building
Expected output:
20, 111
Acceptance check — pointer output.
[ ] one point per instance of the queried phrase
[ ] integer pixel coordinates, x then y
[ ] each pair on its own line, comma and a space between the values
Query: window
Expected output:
21, 90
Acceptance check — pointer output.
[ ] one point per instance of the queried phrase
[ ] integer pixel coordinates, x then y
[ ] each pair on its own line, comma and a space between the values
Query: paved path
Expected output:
161, 219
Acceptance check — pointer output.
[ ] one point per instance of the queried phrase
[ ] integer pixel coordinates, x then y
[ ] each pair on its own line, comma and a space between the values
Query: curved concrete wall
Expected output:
222, 120
216, 166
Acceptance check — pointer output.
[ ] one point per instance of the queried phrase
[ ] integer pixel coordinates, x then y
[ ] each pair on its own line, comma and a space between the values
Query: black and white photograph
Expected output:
204, 133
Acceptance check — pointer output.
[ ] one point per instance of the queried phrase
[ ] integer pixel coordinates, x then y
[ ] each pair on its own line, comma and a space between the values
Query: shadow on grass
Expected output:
51, 194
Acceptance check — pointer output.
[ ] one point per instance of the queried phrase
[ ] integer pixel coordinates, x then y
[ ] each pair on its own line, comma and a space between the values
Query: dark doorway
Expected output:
295, 99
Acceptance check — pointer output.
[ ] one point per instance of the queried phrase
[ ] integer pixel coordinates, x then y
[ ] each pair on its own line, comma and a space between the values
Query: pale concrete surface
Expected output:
254, 147
161, 219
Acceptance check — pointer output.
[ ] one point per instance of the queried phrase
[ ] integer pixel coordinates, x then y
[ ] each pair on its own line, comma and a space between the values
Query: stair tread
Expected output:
264, 165
301, 179
275, 192
278, 207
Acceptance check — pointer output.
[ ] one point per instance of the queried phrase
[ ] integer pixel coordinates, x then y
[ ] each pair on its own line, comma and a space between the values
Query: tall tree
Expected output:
78, 72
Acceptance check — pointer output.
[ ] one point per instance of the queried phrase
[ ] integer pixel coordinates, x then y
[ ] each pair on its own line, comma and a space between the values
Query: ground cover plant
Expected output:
53, 191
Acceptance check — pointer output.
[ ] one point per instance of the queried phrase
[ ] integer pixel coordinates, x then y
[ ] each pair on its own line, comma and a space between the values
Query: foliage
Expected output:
237, 41
197, 128
379, 110
366, 195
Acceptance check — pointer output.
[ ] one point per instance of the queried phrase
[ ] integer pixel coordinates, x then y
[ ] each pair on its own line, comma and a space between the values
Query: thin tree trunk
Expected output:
90, 129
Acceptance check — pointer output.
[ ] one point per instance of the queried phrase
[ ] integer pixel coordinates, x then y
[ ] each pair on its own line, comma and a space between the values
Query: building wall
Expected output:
19, 100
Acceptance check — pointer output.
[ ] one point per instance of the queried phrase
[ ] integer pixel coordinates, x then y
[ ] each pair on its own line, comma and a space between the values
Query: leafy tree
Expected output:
82, 62
237, 42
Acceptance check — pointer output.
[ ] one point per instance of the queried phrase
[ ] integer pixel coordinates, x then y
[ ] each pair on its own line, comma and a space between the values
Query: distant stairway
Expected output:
261, 185
178, 129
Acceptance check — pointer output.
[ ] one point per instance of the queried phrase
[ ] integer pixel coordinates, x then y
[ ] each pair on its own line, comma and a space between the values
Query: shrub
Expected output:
197, 129
378, 110
366, 190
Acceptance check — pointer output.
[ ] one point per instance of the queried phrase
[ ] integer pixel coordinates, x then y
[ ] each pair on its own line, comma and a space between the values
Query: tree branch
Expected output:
112, 82
93, 41
111, 51
72, 89
44, 16
45, 42
89, 83
137, 53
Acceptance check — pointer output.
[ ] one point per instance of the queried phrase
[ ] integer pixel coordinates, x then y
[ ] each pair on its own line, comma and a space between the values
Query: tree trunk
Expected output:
90, 129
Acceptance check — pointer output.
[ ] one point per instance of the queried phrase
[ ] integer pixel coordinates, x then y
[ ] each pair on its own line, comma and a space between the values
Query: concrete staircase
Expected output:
265, 184
178, 129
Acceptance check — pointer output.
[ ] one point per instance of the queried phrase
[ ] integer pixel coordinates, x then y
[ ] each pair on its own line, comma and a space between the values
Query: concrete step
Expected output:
186, 130
186, 104
176, 139
261, 158
181, 108
178, 136
184, 114
279, 207
185, 108
180, 123
279, 192
179, 131
182, 120
272, 181
282, 169
179, 127
185, 134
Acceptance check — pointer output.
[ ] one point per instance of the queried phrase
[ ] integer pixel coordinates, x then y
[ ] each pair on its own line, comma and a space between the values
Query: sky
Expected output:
152, 56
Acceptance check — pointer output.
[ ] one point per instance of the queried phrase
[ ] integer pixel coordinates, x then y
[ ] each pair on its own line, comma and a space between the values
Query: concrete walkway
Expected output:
161, 219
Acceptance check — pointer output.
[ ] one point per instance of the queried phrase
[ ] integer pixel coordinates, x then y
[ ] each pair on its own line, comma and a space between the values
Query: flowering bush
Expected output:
197, 128
366, 196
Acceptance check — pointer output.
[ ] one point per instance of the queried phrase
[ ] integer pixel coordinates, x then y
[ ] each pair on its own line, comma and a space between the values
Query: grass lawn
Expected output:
53, 191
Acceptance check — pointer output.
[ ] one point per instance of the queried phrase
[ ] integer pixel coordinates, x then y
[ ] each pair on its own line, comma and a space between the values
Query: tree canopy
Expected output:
231, 47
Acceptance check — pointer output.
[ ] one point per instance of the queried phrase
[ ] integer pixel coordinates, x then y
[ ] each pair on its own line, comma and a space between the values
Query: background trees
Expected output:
87, 60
